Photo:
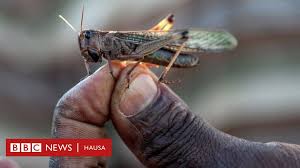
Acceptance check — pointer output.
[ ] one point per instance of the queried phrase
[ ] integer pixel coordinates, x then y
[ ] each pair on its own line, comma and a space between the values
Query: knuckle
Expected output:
63, 106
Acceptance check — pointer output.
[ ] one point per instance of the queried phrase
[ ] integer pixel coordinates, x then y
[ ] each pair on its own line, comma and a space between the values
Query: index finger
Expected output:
82, 113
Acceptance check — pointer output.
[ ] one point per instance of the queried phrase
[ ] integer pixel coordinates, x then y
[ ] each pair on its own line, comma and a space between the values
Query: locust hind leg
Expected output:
166, 70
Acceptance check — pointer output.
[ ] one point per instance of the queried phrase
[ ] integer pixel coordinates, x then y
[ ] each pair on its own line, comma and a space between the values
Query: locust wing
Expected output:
200, 40
156, 32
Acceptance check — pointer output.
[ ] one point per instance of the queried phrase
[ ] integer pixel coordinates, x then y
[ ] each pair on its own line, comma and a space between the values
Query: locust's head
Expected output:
88, 41
89, 45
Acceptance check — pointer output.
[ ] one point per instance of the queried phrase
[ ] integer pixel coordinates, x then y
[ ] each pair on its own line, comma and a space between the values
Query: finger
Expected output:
82, 113
147, 115
7, 163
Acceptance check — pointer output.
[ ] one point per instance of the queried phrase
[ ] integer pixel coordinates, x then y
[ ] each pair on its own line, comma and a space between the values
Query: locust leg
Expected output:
131, 70
134, 66
88, 70
166, 70
87, 67
110, 67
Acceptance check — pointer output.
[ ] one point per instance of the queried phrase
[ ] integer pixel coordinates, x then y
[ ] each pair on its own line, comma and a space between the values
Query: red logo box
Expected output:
58, 147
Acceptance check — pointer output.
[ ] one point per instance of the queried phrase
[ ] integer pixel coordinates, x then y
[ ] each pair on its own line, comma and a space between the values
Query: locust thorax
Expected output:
89, 46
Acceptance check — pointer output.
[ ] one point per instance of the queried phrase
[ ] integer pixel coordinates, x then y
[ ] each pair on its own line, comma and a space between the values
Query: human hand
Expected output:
156, 125
7, 163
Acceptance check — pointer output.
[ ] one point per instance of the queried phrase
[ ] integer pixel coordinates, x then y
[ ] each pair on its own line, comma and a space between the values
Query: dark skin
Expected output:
157, 126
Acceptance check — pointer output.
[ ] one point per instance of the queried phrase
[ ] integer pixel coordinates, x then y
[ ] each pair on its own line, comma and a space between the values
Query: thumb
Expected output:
161, 131
149, 117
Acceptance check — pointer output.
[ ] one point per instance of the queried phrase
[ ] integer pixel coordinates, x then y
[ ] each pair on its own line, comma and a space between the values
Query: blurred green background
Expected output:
252, 92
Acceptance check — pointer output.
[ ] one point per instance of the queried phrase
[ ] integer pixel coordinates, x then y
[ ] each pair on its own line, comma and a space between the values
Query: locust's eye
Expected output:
88, 34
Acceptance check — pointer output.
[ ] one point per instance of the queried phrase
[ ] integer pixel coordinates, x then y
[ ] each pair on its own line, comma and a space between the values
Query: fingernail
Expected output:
139, 95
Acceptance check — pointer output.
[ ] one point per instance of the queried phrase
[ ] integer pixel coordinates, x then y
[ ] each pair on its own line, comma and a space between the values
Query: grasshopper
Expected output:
159, 45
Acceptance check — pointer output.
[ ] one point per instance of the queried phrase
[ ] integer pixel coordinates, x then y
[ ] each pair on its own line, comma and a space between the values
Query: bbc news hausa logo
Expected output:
58, 147
25, 147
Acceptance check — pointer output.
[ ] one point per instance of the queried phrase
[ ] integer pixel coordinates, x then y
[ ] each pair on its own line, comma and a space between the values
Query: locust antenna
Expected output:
82, 12
68, 23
